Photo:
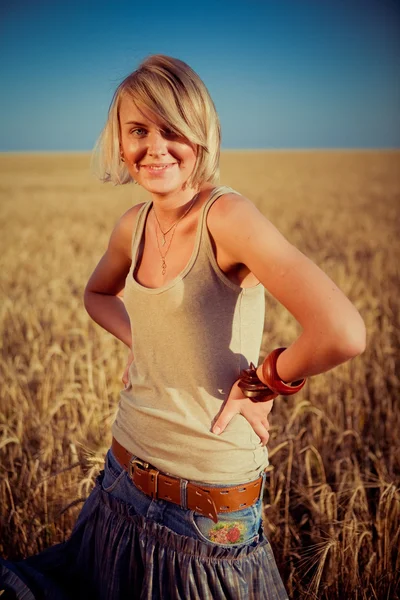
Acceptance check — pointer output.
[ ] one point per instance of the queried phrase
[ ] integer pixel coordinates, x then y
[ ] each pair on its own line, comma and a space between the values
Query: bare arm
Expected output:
333, 330
101, 297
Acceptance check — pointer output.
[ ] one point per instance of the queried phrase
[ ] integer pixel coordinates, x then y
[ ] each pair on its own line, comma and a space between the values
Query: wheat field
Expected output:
332, 500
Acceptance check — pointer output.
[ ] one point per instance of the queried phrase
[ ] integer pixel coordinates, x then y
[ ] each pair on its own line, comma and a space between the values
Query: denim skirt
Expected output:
126, 546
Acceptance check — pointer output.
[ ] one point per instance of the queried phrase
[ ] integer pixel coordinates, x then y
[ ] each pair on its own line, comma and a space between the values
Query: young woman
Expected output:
177, 511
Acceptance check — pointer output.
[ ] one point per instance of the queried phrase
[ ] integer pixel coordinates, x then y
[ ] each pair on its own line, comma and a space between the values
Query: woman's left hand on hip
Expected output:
256, 413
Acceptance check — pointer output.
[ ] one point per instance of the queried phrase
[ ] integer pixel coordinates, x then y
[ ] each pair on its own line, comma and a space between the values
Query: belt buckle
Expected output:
140, 463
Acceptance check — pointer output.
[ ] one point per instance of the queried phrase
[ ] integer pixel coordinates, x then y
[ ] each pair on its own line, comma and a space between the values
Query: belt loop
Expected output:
184, 483
153, 483
264, 478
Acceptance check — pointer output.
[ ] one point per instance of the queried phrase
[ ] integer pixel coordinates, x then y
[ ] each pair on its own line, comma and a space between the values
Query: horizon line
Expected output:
286, 149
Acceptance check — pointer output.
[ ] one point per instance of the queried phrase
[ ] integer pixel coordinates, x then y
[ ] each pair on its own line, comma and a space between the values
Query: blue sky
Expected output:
283, 73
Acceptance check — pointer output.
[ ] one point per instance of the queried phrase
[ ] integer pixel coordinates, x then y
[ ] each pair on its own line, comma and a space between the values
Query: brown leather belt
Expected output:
203, 499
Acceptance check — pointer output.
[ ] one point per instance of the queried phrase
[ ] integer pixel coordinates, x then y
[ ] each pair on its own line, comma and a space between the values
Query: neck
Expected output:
169, 207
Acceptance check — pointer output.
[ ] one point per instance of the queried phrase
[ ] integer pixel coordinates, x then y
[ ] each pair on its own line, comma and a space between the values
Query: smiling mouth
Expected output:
160, 167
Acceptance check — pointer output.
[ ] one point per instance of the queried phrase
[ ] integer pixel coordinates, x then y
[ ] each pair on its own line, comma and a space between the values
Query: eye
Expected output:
138, 131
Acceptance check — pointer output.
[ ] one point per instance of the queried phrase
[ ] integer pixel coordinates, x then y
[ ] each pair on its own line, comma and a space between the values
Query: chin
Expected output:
162, 187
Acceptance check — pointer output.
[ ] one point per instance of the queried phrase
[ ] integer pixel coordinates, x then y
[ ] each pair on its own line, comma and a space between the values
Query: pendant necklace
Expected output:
164, 233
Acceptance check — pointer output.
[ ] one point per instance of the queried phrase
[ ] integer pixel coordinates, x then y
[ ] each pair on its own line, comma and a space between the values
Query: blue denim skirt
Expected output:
127, 546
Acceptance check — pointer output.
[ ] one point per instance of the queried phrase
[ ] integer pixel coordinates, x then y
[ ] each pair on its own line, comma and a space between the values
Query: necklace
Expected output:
164, 233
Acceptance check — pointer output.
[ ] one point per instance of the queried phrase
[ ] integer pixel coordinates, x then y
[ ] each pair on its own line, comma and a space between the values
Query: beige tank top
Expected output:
190, 338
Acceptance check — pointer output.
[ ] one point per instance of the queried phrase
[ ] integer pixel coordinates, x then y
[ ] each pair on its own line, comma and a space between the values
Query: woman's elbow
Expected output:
87, 299
353, 337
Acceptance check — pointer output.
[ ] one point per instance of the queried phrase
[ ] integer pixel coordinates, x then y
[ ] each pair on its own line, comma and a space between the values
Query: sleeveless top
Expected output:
190, 339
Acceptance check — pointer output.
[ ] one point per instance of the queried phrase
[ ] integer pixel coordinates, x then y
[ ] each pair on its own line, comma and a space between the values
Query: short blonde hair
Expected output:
171, 90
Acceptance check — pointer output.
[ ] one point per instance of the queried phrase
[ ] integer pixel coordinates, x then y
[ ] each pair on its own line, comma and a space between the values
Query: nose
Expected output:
157, 144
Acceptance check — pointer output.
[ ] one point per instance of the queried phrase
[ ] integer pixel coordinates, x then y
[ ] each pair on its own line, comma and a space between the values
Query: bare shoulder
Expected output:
233, 220
121, 236
229, 204
111, 271
234, 210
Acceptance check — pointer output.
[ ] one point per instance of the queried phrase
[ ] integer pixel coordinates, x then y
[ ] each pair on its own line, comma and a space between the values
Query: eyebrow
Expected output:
135, 123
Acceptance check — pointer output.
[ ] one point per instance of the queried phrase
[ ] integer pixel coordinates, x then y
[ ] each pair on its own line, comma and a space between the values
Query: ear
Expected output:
121, 155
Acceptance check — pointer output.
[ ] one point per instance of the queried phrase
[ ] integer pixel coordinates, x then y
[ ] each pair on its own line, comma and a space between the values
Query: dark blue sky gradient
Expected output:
283, 74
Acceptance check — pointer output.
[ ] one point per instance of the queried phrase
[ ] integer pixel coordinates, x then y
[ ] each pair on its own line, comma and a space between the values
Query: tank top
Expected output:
190, 339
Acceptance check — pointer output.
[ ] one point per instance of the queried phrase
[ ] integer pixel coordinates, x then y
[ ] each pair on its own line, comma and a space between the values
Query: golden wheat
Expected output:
332, 502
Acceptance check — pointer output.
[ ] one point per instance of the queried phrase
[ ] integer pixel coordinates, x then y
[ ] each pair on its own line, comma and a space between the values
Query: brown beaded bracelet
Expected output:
272, 379
255, 389
251, 386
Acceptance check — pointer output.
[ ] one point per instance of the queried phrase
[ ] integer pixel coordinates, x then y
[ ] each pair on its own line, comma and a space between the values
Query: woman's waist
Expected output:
189, 449
186, 415
206, 499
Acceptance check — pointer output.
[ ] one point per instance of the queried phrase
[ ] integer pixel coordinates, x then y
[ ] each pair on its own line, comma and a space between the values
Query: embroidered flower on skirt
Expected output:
228, 533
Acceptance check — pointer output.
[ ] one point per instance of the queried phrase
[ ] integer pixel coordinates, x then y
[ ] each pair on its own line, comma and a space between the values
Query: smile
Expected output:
157, 167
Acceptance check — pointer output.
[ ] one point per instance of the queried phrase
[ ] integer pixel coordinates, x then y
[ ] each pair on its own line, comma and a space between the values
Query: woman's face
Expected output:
156, 158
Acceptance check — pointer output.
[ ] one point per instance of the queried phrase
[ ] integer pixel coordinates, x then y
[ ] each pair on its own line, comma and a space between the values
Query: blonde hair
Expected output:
171, 90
